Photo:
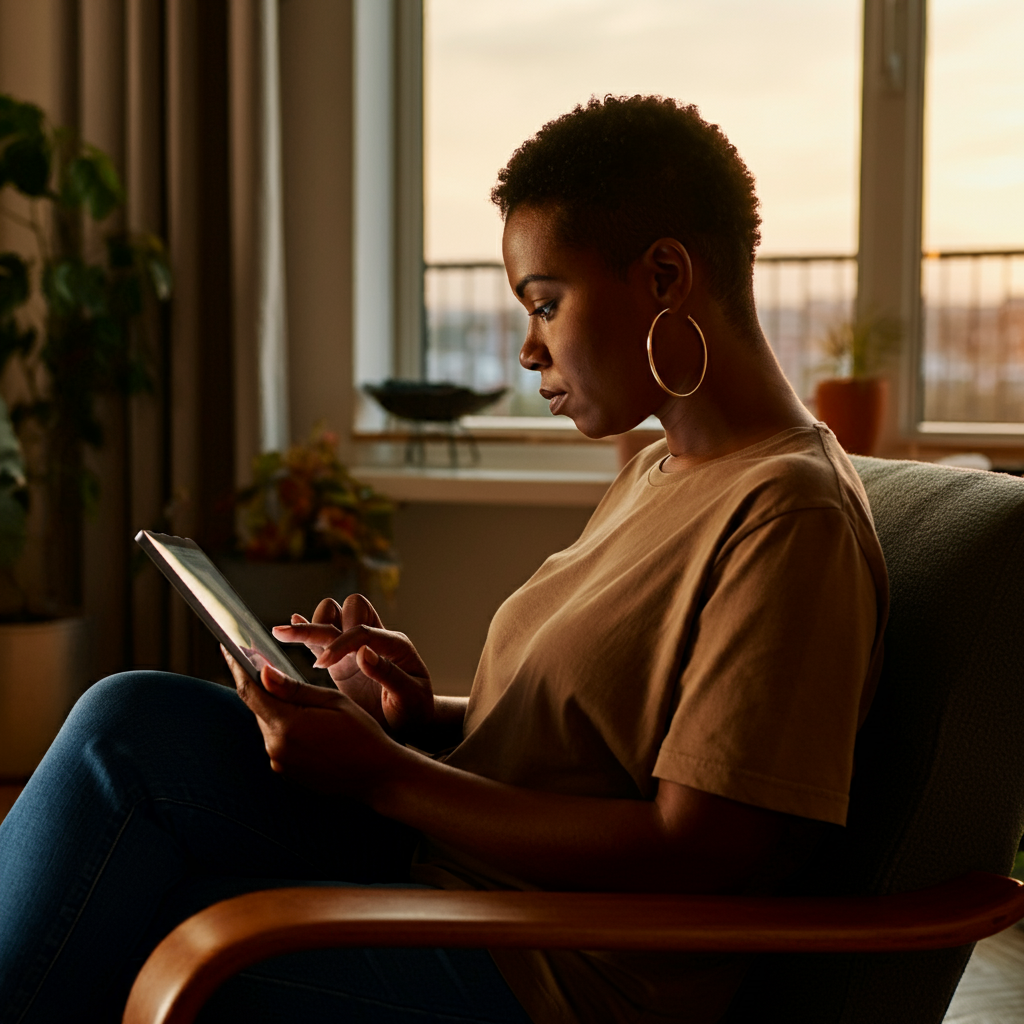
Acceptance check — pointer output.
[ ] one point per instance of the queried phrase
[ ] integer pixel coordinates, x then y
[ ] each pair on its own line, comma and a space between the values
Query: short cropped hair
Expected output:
627, 170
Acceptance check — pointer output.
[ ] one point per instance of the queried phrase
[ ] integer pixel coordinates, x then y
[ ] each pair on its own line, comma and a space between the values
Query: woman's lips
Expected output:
556, 399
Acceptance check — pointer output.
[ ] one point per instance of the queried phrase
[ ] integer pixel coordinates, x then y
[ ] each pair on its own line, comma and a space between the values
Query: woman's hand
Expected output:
318, 737
378, 669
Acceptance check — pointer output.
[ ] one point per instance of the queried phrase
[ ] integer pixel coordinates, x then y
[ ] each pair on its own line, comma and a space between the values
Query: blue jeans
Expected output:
157, 800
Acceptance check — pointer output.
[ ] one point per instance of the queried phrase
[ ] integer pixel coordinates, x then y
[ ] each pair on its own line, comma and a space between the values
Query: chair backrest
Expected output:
939, 782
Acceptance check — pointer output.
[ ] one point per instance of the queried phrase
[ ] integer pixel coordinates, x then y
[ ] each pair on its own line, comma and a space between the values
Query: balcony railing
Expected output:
972, 365
972, 352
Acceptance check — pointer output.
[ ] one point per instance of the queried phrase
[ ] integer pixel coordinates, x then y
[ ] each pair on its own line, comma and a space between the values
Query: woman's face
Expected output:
587, 327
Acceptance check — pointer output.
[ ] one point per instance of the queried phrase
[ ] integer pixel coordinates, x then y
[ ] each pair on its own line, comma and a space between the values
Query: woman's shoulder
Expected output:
802, 470
798, 468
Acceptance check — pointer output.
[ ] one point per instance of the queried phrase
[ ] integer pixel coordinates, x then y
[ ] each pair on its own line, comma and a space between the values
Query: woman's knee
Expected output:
134, 707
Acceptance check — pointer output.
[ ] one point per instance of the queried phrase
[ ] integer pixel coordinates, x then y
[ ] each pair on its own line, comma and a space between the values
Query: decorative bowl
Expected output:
429, 402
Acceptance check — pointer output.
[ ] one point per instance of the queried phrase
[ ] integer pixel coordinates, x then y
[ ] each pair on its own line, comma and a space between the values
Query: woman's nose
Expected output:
534, 354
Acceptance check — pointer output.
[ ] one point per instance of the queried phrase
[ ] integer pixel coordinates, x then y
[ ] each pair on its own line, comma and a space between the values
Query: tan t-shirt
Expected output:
719, 627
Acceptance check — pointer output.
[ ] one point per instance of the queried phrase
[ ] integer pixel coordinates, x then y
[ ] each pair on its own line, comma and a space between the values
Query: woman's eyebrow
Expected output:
529, 279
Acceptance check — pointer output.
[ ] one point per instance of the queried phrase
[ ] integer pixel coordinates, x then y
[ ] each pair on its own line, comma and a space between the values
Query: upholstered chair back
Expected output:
939, 780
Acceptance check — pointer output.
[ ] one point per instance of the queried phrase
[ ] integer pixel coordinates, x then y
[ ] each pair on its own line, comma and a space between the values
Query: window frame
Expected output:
890, 217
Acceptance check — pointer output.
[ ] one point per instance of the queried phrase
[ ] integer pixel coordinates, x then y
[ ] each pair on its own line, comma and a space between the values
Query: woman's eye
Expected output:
545, 311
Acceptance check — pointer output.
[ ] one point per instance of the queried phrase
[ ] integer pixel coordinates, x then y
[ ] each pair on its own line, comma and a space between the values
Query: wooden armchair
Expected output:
882, 927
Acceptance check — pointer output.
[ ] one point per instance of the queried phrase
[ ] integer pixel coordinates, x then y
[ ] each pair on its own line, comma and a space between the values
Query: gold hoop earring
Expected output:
650, 358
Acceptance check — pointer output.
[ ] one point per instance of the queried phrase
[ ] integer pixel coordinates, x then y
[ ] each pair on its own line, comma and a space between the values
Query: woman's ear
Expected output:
670, 271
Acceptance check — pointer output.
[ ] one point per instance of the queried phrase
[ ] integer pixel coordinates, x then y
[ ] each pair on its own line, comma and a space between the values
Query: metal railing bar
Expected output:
965, 254
929, 254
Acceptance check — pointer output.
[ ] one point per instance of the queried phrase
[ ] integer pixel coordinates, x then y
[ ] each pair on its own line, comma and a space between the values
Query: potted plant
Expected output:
94, 287
68, 318
305, 529
853, 400
41, 662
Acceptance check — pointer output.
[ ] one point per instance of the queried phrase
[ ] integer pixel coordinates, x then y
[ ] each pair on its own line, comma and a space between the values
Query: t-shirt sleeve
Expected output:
775, 667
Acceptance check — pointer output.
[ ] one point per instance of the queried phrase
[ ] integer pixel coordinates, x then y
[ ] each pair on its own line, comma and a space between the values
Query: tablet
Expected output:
215, 601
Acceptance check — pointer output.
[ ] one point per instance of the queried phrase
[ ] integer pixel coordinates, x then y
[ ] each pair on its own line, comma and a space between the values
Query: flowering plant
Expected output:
303, 506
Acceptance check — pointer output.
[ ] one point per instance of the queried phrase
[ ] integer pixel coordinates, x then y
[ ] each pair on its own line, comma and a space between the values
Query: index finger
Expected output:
306, 633
383, 642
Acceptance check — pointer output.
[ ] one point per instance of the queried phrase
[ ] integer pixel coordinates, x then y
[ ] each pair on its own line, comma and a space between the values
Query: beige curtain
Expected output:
147, 81
177, 92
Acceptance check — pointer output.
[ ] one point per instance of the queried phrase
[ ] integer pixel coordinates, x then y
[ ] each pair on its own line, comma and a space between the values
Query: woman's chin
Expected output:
595, 429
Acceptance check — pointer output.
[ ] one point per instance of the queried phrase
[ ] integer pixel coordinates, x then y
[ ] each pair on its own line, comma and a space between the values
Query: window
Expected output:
783, 79
973, 272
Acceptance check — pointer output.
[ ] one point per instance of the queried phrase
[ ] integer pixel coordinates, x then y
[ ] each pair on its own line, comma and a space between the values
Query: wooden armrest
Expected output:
204, 951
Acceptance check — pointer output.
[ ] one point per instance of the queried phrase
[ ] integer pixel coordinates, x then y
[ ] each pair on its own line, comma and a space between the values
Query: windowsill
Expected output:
996, 434
488, 486
569, 470
502, 460
526, 429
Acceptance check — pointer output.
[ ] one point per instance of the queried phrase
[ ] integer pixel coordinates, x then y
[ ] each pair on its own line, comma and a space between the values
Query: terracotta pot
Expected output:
854, 408
43, 671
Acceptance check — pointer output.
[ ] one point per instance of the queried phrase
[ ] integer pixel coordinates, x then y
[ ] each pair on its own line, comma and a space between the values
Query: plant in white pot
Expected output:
92, 287
69, 313
41, 660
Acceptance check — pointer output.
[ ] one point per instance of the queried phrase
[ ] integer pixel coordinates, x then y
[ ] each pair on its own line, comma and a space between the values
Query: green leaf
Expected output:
91, 181
265, 466
17, 118
14, 282
40, 411
106, 171
26, 164
126, 297
93, 288
13, 522
59, 286
14, 341
120, 251
13, 492
71, 285
145, 253
12, 465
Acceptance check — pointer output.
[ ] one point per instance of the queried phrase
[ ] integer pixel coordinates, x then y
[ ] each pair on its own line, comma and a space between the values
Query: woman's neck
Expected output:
744, 398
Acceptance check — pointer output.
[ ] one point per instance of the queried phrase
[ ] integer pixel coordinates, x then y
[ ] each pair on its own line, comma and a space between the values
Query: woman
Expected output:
668, 705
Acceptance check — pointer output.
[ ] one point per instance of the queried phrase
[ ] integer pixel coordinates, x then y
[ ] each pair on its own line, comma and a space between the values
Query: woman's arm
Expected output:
444, 730
685, 840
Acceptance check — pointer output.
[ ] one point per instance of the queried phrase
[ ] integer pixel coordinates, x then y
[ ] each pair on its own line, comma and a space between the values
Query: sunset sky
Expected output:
781, 78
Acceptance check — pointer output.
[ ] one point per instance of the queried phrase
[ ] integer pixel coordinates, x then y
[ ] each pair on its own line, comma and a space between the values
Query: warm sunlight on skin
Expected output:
587, 337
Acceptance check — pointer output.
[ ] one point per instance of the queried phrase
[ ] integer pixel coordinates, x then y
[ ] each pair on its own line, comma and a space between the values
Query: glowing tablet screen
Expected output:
200, 582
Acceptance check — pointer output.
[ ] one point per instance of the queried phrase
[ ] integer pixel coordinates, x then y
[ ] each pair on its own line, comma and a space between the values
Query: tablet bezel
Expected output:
149, 541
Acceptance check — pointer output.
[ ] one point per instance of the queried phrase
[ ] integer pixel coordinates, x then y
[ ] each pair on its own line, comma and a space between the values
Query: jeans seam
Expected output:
81, 911
103, 866
227, 817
